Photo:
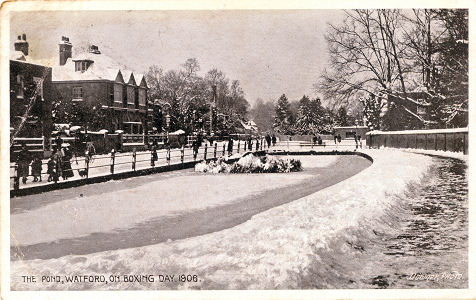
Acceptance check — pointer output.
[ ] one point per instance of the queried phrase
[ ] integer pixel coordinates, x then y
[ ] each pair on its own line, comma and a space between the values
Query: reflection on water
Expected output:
421, 242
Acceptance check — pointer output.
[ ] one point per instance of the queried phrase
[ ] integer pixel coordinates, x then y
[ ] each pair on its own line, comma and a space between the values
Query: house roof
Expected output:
102, 67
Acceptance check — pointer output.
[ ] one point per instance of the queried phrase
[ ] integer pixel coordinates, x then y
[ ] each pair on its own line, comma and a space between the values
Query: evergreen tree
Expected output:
342, 119
282, 119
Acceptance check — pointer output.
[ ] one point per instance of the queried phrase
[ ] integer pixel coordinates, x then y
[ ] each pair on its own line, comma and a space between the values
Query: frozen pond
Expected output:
164, 206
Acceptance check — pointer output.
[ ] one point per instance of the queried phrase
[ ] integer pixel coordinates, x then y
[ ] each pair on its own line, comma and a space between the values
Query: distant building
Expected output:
30, 96
347, 132
101, 82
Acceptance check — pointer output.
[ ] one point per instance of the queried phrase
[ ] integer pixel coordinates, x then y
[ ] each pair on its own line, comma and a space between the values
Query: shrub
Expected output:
251, 164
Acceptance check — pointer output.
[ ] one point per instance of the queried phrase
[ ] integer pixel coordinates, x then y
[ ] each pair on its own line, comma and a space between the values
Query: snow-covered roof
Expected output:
350, 127
17, 55
423, 131
102, 67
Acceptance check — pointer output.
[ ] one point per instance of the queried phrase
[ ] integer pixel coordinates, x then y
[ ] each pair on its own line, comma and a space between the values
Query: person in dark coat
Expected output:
339, 138
36, 168
58, 141
268, 140
319, 140
52, 170
155, 157
335, 139
273, 139
230, 146
24, 159
196, 145
314, 139
67, 169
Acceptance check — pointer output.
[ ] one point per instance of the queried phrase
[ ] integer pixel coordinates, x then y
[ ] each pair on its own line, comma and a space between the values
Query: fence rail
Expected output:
454, 140
55, 170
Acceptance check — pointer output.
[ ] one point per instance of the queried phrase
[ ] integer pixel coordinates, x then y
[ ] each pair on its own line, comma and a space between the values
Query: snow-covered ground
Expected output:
270, 251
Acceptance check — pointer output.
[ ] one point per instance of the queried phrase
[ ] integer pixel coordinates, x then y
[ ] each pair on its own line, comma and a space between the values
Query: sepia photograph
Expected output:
255, 149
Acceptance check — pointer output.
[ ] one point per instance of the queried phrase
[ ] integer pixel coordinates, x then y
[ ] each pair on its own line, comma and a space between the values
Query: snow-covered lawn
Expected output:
270, 251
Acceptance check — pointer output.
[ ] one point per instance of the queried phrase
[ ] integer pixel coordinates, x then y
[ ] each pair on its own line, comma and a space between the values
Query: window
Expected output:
77, 93
39, 84
20, 86
130, 95
117, 93
421, 110
142, 97
81, 65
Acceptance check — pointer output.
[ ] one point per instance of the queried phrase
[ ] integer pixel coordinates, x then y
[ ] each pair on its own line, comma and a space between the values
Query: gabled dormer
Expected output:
132, 80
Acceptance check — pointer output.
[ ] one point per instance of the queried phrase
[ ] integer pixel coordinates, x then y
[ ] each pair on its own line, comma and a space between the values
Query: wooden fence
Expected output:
454, 140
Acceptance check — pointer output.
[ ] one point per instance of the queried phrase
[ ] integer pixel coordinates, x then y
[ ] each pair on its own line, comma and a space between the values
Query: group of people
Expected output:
58, 165
317, 140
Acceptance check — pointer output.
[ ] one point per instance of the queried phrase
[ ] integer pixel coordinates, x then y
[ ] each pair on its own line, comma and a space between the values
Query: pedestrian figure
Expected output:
155, 157
66, 163
51, 170
360, 141
335, 139
339, 138
196, 146
314, 140
319, 140
250, 144
58, 141
36, 169
24, 159
230, 146
273, 139
58, 158
268, 140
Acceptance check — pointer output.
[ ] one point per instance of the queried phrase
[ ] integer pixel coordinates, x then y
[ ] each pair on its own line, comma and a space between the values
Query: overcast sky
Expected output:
270, 52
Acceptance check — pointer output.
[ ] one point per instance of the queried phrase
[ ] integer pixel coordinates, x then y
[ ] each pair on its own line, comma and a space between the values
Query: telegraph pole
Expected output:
213, 105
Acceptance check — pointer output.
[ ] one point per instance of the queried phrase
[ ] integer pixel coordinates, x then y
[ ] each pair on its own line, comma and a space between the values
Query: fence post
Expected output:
224, 148
113, 158
57, 168
182, 154
215, 151
464, 143
444, 134
205, 152
134, 159
152, 160
16, 179
168, 155
244, 148
86, 160
238, 149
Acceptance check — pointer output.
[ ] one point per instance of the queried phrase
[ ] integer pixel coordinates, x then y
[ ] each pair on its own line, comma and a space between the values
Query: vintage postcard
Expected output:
222, 149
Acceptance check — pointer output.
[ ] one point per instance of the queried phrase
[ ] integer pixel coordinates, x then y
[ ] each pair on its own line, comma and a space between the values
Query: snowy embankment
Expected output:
271, 251
449, 154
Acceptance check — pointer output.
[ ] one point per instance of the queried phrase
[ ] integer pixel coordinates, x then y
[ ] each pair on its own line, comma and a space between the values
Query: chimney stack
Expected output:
65, 50
21, 44
94, 49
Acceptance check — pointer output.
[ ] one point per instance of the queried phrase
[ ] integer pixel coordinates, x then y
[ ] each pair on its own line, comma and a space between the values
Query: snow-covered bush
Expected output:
251, 164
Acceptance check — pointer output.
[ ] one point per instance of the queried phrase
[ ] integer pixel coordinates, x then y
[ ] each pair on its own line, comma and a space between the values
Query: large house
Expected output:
102, 83
30, 99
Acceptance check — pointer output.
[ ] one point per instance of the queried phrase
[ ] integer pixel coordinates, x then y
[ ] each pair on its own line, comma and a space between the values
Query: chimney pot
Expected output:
21, 44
